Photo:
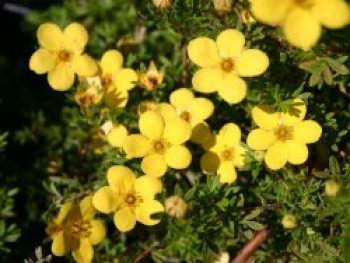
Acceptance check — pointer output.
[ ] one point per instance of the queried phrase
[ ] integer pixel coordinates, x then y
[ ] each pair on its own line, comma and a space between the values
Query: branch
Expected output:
146, 252
249, 249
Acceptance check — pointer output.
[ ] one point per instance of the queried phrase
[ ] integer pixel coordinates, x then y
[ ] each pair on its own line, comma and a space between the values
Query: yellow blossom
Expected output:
223, 63
302, 20
331, 188
61, 55
75, 229
224, 154
224, 257
117, 135
160, 144
289, 221
175, 206
131, 199
152, 79
222, 6
162, 4
146, 106
283, 135
92, 95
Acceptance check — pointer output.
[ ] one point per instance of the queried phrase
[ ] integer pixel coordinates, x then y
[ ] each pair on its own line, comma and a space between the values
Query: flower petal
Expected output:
151, 125
200, 133
61, 77
239, 157
207, 80
111, 61
210, 163
116, 99
203, 52
307, 132
121, 178
85, 252
177, 131
117, 135
105, 200
64, 211
124, 219
260, 139
302, 29
75, 37
295, 114
136, 146
97, 231
148, 186
276, 156
230, 43
181, 98
252, 62
231, 134
332, 13
178, 157
154, 165
84, 65
297, 152
146, 210
87, 210
201, 109
59, 245
271, 12
167, 111
42, 61
265, 117
227, 172
125, 79
50, 36
233, 89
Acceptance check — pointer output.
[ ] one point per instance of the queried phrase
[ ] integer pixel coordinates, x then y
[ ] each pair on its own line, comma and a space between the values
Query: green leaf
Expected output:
252, 215
253, 225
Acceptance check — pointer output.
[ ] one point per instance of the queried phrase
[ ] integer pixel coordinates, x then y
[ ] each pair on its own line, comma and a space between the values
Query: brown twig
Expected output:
146, 253
249, 249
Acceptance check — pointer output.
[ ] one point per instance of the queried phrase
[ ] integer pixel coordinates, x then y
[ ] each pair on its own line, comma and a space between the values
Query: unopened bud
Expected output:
222, 5
162, 4
224, 257
289, 221
331, 188
175, 206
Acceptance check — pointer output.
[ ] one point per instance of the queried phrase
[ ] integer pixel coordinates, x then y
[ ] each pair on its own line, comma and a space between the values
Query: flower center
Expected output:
79, 228
130, 199
284, 133
159, 146
185, 115
153, 81
64, 55
307, 4
227, 65
107, 80
227, 155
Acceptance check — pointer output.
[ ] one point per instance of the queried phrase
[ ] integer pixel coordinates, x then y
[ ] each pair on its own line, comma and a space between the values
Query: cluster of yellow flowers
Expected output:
166, 127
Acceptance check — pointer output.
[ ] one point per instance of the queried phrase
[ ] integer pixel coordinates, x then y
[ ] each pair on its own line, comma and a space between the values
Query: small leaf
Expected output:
252, 215
334, 165
327, 75
253, 225
337, 66
316, 77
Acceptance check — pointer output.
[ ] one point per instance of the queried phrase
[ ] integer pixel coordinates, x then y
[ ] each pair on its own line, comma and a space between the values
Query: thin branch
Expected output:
146, 252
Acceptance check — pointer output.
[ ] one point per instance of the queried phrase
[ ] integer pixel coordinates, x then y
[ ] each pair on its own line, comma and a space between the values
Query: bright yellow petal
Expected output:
297, 152
232, 89
200, 133
252, 62
154, 165
50, 36
125, 79
42, 61
210, 163
148, 186
332, 13
227, 172
61, 77
230, 43
265, 117
84, 65
231, 134
121, 178
181, 98
116, 99
85, 252
75, 37
239, 156
177, 131
151, 125
146, 210
59, 245
178, 157
302, 29
307, 132
260, 139
295, 114
117, 135
203, 52
207, 80
105, 200
87, 210
111, 61
64, 211
97, 231
166, 110
136, 146
276, 156
271, 12
201, 109
124, 219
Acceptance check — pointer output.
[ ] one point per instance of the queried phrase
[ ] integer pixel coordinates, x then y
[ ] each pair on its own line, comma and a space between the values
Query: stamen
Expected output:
284, 133
185, 115
227, 154
227, 65
64, 55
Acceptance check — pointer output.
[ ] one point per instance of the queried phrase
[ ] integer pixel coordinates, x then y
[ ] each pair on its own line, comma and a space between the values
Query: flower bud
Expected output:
289, 221
222, 5
162, 4
331, 188
175, 206
224, 257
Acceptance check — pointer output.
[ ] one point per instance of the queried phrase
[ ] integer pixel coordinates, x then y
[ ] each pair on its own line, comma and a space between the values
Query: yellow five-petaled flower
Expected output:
61, 55
131, 199
283, 135
75, 229
223, 63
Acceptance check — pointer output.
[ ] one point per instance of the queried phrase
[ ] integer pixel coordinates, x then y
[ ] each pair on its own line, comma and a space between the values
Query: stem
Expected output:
146, 252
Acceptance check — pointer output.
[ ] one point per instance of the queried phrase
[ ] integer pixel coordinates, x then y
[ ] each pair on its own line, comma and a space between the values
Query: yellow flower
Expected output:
117, 135
223, 63
224, 154
289, 221
224, 257
283, 135
152, 78
86, 97
302, 20
75, 229
61, 55
331, 188
222, 6
160, 143
131, 199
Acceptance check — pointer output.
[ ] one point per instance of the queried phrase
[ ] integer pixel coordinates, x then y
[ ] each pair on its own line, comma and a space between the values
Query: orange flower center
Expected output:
79, 228
159, 146
185, 115
107, 80
130, 199
284, 133
227, 155
227, 65
65, 55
